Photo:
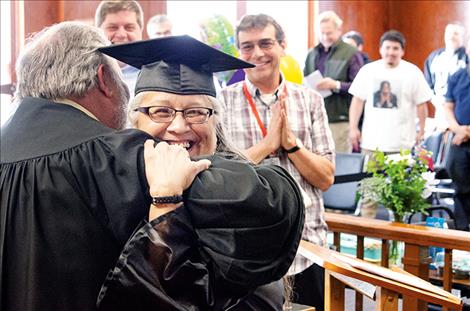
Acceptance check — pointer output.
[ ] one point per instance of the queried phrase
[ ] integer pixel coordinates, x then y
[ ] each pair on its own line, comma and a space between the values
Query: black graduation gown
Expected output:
233, 234
73, 190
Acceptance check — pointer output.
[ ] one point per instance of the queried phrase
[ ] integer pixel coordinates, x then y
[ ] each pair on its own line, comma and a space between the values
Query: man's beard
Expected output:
120, 116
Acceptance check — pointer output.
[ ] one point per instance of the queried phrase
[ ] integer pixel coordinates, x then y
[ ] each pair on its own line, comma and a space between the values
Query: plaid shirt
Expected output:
309, 123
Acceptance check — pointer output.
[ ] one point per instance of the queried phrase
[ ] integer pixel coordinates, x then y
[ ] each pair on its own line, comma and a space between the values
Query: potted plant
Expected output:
401, 183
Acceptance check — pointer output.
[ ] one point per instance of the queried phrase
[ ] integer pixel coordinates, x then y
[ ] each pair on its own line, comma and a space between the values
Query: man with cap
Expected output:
73, 189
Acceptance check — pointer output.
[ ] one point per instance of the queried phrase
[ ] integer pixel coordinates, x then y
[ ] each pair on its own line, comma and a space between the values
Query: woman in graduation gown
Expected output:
224, 253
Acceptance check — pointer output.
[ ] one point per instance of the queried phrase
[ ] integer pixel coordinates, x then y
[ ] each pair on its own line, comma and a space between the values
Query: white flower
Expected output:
431, 182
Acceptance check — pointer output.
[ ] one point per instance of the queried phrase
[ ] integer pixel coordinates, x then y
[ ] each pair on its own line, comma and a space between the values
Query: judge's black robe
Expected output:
73, 191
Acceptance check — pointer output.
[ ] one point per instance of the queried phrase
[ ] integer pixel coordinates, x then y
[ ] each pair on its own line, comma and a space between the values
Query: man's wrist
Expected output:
338, 85
298, 145
171, 199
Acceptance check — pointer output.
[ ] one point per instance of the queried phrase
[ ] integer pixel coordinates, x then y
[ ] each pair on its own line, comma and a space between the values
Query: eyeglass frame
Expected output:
146, 111
271, 41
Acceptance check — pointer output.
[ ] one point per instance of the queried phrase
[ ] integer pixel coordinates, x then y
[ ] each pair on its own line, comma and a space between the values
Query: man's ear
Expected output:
283, 44
104, 82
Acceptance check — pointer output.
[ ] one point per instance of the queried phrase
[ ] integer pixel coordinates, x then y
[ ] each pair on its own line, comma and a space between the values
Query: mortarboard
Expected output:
176, 64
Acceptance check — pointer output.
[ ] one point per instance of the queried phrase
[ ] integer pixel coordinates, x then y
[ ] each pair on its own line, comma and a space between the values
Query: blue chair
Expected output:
342, 196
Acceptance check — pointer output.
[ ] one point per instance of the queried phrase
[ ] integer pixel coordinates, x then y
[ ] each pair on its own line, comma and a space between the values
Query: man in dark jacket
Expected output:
339, 63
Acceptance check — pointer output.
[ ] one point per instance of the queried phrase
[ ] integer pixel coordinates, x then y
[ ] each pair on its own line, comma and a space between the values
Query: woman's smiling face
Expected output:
198, 139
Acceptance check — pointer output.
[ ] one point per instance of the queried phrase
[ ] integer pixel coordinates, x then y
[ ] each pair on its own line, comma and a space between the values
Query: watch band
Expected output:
293, 149
169, 199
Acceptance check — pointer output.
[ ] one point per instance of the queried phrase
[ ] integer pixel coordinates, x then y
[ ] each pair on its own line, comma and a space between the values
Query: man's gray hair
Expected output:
158, 19
329, 16
61, 61
154, 21
114, 6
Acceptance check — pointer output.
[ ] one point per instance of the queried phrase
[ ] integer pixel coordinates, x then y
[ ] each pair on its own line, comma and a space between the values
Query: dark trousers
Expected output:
458, 165
309, 287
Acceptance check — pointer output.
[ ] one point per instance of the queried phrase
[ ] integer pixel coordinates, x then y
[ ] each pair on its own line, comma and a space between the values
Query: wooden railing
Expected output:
417, 240
379, 283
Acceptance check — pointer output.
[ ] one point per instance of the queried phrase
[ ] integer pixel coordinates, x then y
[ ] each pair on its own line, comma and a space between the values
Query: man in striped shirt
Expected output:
277, 122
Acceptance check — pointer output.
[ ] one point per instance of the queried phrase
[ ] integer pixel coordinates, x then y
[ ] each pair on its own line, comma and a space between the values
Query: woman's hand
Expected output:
169, 170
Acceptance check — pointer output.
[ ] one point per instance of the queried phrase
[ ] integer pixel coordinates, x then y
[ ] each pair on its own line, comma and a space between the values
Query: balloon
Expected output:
290, 68
217, 32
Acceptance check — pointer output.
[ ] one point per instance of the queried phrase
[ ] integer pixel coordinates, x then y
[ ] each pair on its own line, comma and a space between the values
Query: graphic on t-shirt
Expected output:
384, 97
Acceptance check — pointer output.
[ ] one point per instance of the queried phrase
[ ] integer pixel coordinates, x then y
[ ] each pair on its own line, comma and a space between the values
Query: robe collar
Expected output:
69, 102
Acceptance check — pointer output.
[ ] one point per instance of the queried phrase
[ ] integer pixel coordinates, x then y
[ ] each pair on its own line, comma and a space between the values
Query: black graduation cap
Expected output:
176, 64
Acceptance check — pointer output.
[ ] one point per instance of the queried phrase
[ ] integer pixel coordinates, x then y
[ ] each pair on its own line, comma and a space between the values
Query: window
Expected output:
292, 16
186, 16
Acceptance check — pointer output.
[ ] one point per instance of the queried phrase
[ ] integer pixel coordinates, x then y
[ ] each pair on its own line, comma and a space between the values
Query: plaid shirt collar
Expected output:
256, 94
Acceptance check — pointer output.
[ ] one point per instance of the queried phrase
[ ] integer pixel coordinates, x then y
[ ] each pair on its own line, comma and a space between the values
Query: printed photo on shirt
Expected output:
384, 97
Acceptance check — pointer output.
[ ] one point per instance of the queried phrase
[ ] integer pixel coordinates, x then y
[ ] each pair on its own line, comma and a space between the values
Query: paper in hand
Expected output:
312, 80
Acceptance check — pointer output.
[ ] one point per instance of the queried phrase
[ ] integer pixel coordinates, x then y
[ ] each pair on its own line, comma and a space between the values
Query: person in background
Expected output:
74, 187
355, 39
389, 125
122, 21
457, 107
441, 64
159, 26
339, 63
278, 122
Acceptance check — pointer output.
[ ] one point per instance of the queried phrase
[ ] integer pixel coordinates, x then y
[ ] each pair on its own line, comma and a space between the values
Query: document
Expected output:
312, 80
363, 287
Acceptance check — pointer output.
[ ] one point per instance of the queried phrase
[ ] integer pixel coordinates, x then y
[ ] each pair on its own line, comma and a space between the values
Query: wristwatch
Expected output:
298, 145
166, 200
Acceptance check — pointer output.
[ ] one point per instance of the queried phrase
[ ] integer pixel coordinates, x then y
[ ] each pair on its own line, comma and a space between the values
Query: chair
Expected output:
342, 196
439, 144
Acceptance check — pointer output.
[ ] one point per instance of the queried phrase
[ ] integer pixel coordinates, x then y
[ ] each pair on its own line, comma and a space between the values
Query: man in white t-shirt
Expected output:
392, 92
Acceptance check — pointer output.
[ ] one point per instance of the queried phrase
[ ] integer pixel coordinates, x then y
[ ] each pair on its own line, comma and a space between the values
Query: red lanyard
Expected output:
255, 111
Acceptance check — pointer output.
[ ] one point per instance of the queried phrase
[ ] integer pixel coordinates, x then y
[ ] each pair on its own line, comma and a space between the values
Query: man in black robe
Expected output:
73, 189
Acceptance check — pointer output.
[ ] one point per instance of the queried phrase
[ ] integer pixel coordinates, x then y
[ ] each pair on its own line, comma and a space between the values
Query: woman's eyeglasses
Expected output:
160, 114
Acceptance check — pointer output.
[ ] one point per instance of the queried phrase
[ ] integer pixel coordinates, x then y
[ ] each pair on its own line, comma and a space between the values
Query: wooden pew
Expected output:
383, 284
417, 239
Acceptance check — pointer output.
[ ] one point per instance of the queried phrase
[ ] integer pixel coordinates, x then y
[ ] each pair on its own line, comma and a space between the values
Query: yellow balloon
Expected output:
290, 68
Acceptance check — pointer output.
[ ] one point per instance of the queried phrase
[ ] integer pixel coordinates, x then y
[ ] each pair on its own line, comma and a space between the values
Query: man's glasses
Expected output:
263, 44
160, 114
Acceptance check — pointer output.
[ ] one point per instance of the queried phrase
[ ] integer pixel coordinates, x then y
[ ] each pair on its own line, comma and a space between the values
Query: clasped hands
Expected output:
279, 133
